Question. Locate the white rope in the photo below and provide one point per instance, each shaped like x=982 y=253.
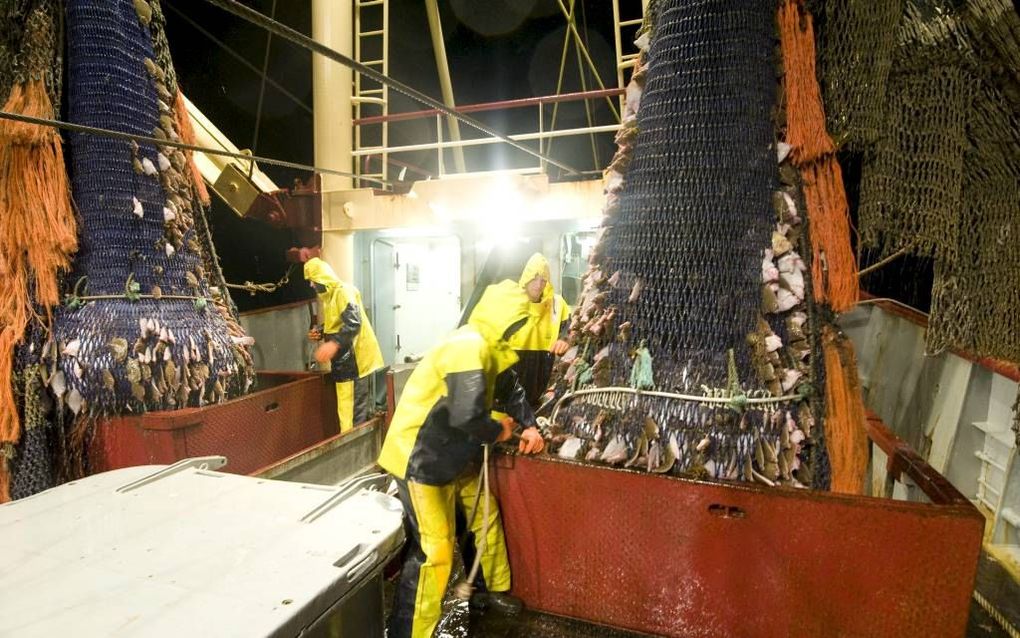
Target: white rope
x=465 y=588
x=693 y=398
x=997 y=615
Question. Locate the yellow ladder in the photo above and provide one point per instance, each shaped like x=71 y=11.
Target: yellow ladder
x=370 y=98
x=624 y=32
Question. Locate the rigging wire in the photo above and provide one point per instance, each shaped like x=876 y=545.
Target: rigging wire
x=289 y=34
x=240 y=58
x=262 y=93
x=92 y=130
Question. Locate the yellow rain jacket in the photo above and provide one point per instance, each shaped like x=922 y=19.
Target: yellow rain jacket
x=345 y=321
x=548 y=321
x=443 y=417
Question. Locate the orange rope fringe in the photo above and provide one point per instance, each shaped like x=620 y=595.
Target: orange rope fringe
x=834 y=266
x=187 y=133
x=38 y=233
x=805 y=116
x=845 y=434
x=833 y=263
x=5 y=481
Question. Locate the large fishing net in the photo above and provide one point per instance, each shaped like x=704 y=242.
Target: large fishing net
x=143 y=328
x=941 y=178
x=693 y=336
x=147 y=324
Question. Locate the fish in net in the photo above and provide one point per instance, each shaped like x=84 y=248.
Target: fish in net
x=694 y=341
x=147 y=323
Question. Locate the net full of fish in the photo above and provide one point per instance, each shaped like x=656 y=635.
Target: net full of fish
x=147 y=323
x=693 y=340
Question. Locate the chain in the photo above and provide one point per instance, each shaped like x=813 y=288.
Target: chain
x=253 y=288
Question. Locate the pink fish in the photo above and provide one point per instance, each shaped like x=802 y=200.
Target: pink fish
x=769 y=272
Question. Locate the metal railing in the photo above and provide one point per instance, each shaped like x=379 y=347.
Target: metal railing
x=441 y=143
x=625 y=59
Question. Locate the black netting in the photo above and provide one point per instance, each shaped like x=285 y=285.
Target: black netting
x=696 y=211
x=697 y=288
x=32 y=463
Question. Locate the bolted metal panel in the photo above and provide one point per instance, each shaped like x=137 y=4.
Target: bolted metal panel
x=684 y=558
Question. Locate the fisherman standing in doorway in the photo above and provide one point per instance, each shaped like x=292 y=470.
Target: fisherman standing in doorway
x=434 y=449
x=348 y=342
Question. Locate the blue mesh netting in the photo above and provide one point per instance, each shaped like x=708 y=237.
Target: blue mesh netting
x=178 y=351
x=696 y=210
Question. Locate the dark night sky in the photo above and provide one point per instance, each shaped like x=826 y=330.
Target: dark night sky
x=497 y=49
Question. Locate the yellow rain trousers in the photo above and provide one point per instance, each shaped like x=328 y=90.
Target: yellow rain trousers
x=433 y=448
x=426 y=570
x=345 y=321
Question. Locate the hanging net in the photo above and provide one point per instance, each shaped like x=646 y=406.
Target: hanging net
x=693 y=337
x=940 y=178
x=147 y=324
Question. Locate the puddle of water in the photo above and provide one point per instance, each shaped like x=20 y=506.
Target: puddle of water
x=459 y=621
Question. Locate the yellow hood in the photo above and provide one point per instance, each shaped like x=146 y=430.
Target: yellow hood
x=537 y=266
x=501 y=306
x=321 y=273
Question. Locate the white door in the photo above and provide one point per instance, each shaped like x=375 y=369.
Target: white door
x=426 y=293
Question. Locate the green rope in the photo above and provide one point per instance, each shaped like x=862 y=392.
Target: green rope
x=132 y=292
x=584 y=374
x=132 y=289
x=738 y=400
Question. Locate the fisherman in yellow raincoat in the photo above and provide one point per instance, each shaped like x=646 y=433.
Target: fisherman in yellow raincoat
x=349 y=343
x=433 y=449
x=544 y=336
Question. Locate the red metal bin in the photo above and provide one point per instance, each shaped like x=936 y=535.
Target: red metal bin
x=679 y=557
x=289 y=412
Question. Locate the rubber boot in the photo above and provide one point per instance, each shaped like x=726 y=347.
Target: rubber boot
x=500 y=602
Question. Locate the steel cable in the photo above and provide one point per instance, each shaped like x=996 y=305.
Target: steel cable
x=285 y=32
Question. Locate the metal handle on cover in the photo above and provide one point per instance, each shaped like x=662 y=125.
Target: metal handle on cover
x=367 y=561
x=272 y=407
x=198 y=462
x=372 y=482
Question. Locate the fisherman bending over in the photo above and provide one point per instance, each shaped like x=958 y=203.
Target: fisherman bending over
x=433 y=449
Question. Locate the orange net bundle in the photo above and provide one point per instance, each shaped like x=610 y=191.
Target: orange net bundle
x=845 y=432
x=38 y=232
x=833 y=262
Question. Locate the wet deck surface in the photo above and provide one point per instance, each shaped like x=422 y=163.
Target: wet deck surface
x=461 y=622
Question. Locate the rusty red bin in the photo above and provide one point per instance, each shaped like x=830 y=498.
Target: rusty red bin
x=288 y=412
x=679 y=557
